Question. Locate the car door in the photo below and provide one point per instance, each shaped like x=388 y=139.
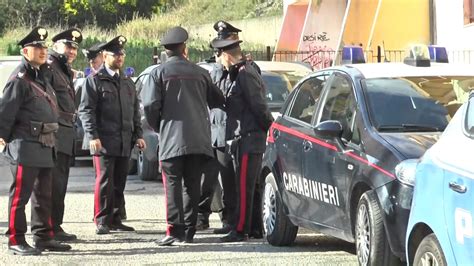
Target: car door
x=289 y=135
x=458 y=189
x=326 y=163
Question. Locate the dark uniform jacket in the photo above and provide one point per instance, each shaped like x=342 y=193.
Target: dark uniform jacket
x=28 y=103
x=176 y=101
x=109 y=111
x=62 y=82
x=248 y=116
x=217 y=115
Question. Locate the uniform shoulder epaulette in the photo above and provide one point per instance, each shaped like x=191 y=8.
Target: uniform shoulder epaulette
x=49 y=61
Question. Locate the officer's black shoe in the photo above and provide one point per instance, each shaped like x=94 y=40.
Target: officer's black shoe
x=51 y=245
x=123 y=213
x=256 y=235
x=168 y=241
x=234 y=236
x=64 y=237
x=224 y=230
x=121 y=227
x=102 y=229
x=23 y=250
x=202 y=226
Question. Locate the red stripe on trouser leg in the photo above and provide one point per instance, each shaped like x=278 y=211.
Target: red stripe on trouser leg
x=97 y=187
x=243 y=192
x=15 y=201
x=50 y=222
x=163 y=175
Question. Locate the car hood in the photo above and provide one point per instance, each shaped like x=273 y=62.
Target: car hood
x=411 y=145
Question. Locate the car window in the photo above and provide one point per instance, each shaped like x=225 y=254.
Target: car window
x=306 y=98
x=469 y=122
x=340 y=105
x=398 y=104
x=276 y=86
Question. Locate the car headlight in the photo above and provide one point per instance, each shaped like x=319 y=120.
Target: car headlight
x=405 y=171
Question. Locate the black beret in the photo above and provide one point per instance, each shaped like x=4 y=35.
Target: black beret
x=37 y=37
x=71 y=36
x=174 y=35
x=225 y=29
x=115 y=45
x=223 y=45
x=93 y=51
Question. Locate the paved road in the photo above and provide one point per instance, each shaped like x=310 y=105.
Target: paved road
x=145 y=209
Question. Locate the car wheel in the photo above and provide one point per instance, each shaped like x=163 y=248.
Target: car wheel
x=278 y=229
x=429 y=252
x=147 y=170
x=372 y=246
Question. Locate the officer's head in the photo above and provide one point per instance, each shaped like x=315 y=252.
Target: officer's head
x=67 y=43
x=174 y=42
x=34 y=46
x=225 y=31
x=114 y=52
x=230 y=51
x=94 y=55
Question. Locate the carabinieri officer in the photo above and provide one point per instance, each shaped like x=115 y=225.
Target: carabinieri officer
x=110 y=115
x=28 y=123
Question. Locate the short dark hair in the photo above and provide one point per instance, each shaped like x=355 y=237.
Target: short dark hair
x=235 y=52
x=175 y=49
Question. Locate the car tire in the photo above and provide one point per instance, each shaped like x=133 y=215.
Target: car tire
x=372 y=247
x=429 y=252
x=147 y=170
x=278 y=229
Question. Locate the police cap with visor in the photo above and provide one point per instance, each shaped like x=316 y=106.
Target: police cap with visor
x=93 y=51
x=223 y=45
x=225 y=30
x=71 y=37
x=115 y=46
x=37 y=37
x=174 y=36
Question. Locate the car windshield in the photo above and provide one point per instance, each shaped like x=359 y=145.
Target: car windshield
x=415 y=103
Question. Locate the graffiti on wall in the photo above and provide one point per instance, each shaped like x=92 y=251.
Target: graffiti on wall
x=321 y=37
x=319 y=56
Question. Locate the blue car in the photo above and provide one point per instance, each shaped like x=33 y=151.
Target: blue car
x=441 y=228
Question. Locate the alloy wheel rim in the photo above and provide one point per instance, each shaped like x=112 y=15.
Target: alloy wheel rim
x=269 y=209
x=363 y=235
x=429 y=259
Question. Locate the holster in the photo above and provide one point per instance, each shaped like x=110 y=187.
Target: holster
x=46 y=136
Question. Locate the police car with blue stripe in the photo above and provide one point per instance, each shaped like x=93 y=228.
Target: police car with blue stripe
x=335 y=157
x=441 y=228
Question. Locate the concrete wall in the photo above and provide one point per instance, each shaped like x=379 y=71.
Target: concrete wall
x=451 y=31
x=262 y=31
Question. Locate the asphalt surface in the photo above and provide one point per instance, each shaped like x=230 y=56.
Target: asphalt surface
x=146 y=213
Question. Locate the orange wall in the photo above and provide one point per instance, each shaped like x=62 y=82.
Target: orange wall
x=292 y=28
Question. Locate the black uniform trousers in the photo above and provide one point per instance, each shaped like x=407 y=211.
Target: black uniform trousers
x=34 y=182
x=111 y=177
x=223 y=165
x=248 y=192
x=60 y=180
x=182 y=203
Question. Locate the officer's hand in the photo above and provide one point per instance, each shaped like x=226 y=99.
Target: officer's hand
x=2 y=144
x=95 y=145
x=140 y=143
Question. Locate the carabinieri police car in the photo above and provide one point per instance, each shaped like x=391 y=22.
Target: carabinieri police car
x=334 y=159
x=441 y=228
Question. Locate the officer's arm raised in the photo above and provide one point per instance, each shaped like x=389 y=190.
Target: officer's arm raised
x=87 y=108
x=10 y=103
x=152 y=99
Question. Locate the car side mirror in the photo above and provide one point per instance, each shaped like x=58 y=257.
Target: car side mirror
x=329 y=129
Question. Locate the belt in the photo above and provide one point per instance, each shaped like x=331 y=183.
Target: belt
x=71 y=117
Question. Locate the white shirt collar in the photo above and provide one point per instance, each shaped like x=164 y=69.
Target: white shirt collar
x=110 y=71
